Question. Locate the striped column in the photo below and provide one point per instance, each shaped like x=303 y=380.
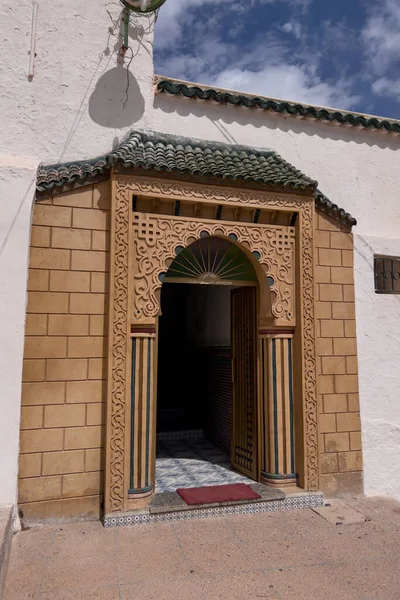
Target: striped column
x=142 y=438
x=278 y=460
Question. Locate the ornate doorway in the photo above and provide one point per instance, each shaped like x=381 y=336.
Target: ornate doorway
x=275 y=234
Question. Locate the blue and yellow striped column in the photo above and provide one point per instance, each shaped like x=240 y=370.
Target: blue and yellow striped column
x=141 y=483
x=276 y=382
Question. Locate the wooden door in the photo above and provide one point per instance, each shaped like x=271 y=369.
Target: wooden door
x=244 y=366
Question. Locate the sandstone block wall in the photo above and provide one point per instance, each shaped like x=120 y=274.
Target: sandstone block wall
x=337 y=371
x=64 y=372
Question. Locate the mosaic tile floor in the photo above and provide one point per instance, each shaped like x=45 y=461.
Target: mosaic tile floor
x=192 y=461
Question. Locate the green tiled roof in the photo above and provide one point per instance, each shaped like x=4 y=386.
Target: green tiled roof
x=163 y=152
x=328 y=115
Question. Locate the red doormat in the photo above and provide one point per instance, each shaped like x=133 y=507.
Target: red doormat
x=218 y=493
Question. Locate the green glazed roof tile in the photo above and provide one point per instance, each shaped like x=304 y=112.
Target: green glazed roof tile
x=163 y=152
x=328 y=115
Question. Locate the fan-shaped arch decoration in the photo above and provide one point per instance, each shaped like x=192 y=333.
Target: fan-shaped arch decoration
x=211 y=260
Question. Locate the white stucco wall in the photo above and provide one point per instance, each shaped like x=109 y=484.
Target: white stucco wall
x=77 y=106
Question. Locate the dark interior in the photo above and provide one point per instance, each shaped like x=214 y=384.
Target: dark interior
x=194 y=362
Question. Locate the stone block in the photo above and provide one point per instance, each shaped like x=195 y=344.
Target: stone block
x=87 y=347
x=97 y=368
x=38 y=280
x=79 y=239
x=83 y=437
x=324 y=347
x=350 y=329
x=83 y=218
x=70 y=325
x=68 y=369
x=81 y=198
x=350 y=461
x=35 y=489
x=47 y=302
x=325 y=384
x=31 y=417
x=100 y=240
x=346 y=384
x=343 y=310
x=55 y=216
x=341 y=484
x=332 y=328
x=327 y=423
x=322 y=239
x=333 y=365
x=58 y=463
x=88 y=304
x=325 y=223
x=29 y=465
x=334 y=403
x=95 y=414
x=323 y=310
x=49 y=258
x=33 y=370
x=342 y=275
x=43 y=393
x=41 y=440
x=348 y=258
x=348 y=422
x=351 y=365
x=322 y=274
x=348 y=293
x=87 y=507
x=100 y=283
x=99 y=326
x=329 y=463
x=73 y=281
x=355 y=440
x=86 y=391
x=354 y=402
x=337 y=442
x=345 y=347
x=94 y=459
x=329 y=292
x=329 y=257
x=40 y=236
x=341 y=240
x=45 y=347
x=89 y=260
x=82 y=484
x=65 y=415
x=36 y=324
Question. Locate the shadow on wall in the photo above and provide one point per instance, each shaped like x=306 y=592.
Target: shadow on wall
x=116 y=101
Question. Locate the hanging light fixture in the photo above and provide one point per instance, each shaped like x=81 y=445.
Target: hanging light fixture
x=144 y=6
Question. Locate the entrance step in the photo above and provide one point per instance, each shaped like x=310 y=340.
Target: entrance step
x=169 y=506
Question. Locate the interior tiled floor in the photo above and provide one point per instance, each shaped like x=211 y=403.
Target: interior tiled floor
x=189 y=460
x=285 y=555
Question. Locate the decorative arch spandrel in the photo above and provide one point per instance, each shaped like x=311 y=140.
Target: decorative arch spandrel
x=155 y=239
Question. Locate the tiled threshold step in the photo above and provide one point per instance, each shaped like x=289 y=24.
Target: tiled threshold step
x=169 y=506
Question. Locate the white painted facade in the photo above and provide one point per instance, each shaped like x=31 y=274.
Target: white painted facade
x=78 y=105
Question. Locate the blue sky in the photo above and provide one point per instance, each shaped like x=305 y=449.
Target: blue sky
x=339 y=53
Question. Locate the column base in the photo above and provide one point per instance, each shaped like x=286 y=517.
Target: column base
x=138 y=494
x=278 y=480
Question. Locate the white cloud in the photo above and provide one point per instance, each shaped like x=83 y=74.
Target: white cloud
x=381 y=36
x=387 y=87
x=293 y=27
x=290 y=82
